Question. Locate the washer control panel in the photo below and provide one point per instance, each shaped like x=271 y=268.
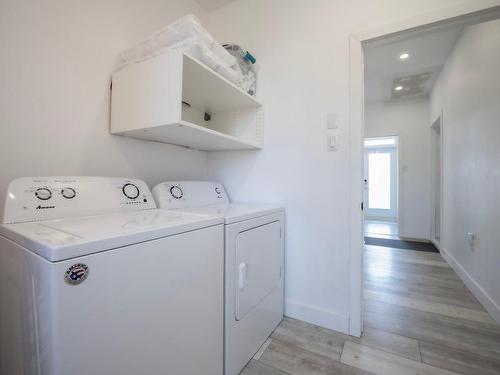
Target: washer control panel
x=42 y=198
x=131 y=191
x=185 y=194
x=176 y=192
x=68 y=192
x=43 y=193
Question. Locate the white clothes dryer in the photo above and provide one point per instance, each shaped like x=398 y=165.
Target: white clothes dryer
x=94 y=279
x=254 y=263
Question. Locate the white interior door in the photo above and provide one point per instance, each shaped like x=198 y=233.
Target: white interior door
x=381 y=180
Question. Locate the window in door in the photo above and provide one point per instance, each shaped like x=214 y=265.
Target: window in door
x=381 y=178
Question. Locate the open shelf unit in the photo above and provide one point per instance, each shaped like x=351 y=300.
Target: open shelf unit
x=147 y=103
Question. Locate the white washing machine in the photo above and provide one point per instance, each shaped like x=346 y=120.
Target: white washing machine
x=95 y=280
x=254 y=256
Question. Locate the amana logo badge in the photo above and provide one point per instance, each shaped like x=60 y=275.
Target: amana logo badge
x=76 y=274
x=40 y=207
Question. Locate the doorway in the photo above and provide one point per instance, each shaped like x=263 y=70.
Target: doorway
x=399 y=87
x=381 y=179
x=381 y=187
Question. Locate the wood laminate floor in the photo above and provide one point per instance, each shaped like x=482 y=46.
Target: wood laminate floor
x=420 y=319
x=382 y=229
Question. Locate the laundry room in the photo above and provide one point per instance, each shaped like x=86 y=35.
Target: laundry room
x=181 y=190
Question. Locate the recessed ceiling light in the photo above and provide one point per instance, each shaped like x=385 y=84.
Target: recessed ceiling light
x=398 y=88
x=404 y=56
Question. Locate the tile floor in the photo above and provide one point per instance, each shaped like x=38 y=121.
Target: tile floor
x=419 y=319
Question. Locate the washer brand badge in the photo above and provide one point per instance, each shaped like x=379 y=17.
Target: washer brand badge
x=40 y=207
x=76 y=274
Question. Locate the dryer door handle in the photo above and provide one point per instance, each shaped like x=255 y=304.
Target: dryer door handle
x=242 y=275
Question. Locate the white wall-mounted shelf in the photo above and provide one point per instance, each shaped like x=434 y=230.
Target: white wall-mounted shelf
x=205 y=88
x=146 y=103
x=191 y=135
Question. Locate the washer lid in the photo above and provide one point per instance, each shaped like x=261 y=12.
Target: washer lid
x=61 y=239
x=235 y=212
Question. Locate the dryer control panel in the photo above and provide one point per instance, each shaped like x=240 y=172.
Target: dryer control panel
x=186 y=194
x=43 y=198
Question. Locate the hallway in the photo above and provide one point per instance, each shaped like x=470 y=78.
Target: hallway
x=419 y=319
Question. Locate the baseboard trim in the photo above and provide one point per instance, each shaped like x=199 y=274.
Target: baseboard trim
x=422 y=239
x=488 y=303
x=316 y=315
x=436 y=243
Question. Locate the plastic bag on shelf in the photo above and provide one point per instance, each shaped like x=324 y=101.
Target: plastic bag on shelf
x=188 y=35
x=187 y=28
x=246 y=62
x=206 y=56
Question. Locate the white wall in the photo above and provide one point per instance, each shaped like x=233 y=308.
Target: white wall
x=57 y=57
x=468 y=93
x=409 y=120
x=303 y=50
x=55 y=67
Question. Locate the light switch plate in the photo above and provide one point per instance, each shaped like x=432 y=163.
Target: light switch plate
x=331 y=143
x=331 y=121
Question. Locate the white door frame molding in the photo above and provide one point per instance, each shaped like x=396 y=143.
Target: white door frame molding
x=470 y=12
x=437 y=123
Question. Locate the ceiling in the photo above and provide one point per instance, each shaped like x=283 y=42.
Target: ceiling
x=210 y=5
x=384 y=70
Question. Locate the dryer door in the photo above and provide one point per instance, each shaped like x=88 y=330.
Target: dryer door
x=258 y=266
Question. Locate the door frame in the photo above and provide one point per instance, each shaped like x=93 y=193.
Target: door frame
x=437 y=123
x=466 y=13
x=395 y=182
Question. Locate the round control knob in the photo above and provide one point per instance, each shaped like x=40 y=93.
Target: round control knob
x=43 y=194
x=176 y=192
x=68 y=193
x=131 y=191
